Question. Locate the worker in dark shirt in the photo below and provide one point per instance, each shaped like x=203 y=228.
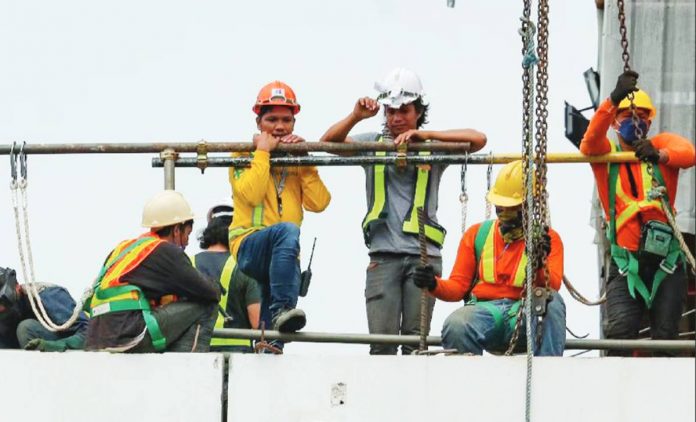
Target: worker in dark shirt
x=240 y=305
x=148 y=297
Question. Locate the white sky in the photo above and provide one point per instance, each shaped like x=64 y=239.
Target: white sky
x=133 y=71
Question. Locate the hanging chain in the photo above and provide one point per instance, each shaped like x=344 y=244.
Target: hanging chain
x=464 y=196
x=527 y=32
x=489 y=175
x=625 y=56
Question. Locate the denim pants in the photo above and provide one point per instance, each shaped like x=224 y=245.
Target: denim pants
x=625 y=314
x=31 y=329
x=184 y=325
x=271 y=257
x=472 y=328
x=393 y=300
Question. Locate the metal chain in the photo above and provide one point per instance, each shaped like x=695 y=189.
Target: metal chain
x=625 y=56
x=423 y=249
x=464 y=196
x=489 y=175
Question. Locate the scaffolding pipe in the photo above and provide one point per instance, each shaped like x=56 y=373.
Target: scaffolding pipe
x=181 y=147
x=413 y=340
x=327 y=160
x=168 y=158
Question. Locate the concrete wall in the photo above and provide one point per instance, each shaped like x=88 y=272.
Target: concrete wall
x=103 y=387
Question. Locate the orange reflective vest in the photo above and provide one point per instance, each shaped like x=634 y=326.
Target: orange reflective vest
x=112 y=294
x=485 y=254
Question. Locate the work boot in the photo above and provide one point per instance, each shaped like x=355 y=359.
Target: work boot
x=289 y=320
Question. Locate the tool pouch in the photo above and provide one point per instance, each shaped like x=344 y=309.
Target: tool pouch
x=656 y=239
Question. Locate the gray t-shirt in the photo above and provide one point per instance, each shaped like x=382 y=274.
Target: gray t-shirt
x=401 y=184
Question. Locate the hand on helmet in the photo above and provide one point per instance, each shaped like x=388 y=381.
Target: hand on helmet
x=625 y=84
x=365 y=108
x=424 y=277
x=645 y=151
x=265 y=142
x=411 y=135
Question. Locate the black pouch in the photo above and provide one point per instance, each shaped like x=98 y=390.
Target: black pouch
x=656 y=239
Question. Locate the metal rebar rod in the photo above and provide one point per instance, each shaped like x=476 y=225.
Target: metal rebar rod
x=327 y=160
x=413 y=340
x=156 y=147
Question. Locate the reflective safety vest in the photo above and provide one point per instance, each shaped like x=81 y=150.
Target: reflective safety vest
x=484 y=246
x=225 y=279
x=256 y=215
x=621 y=209
x=111 y=294
x=377 y=214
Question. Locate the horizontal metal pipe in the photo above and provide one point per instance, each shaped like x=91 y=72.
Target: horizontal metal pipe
x=348 y=338
x=156 y=147
x=327 y=160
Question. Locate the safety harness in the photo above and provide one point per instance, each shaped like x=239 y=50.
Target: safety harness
x=657 y=238
x=377 y=214
x=225 y=281
x=484 y=252
x=113 y=295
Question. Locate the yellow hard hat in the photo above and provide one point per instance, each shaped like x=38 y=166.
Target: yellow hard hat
x=641 y=99
x=508 y=190
x=165 y=209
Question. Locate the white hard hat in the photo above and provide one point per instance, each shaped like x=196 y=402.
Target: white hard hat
x=165 y=209
x=401 y=86
x=220 y=210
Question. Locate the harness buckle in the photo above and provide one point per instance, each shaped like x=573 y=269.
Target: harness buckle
x=666 y=267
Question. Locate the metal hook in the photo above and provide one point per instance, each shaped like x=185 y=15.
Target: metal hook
x=13 y=165
x=23 y=161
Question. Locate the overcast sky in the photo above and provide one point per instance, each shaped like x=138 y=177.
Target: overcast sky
x=133 y=71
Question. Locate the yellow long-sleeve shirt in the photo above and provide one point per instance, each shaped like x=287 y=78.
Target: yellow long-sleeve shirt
x=256 y=186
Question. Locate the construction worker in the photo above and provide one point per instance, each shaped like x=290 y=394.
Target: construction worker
x=240 y=305
x=390 y=227
x=268 y=205
x=646 y=270
x=489 y=273
x=20 y=327
x=148 y=297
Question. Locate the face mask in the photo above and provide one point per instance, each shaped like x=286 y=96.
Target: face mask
x=510 y=224
x=627 y=129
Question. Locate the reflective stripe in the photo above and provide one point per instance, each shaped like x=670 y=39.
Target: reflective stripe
x=225 y=279
x=256 y=215
x=434 y=233
x=487 y=262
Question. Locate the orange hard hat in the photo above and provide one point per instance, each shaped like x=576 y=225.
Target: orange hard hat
x=276 y=93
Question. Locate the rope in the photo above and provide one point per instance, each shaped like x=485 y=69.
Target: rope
x=489 y=173
x=18 y=187
x=575 y=294
x=661 y=191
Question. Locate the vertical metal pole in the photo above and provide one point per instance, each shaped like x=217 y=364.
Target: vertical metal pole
x=424 y=293
x=169 y=156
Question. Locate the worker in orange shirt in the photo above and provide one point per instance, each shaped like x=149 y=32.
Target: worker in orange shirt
x=489 y=273
x=646 y=258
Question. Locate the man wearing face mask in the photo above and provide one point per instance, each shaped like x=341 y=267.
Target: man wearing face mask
x=489 y=273
x=394 y=194
x=147 y=296
x=269 y=205
x=647 y=270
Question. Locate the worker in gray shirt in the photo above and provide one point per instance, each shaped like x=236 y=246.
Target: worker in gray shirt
x=393 y=195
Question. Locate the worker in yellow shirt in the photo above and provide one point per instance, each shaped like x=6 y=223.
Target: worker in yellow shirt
x=268 y=209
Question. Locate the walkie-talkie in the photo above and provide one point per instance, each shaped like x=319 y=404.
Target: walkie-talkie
x=306 y=276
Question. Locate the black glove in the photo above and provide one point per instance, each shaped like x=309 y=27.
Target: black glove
x=424 y=277
x=645 y=151
x=624 y=85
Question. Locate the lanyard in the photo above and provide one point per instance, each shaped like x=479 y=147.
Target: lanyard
x=279 y=186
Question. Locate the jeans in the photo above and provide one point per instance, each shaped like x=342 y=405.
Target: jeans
x=184 y=325
x=472 y=328
x=624 y=313
x=271 y=257
x=393 y=301
x=31 y=329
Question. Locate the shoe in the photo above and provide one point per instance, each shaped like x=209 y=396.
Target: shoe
x=289 y=320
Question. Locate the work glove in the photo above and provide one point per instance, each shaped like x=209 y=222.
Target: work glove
x=424 y=277
x=645 y=151
x=625 y=84
x=46 y=345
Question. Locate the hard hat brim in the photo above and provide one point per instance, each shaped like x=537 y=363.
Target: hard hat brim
x=503 y=201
